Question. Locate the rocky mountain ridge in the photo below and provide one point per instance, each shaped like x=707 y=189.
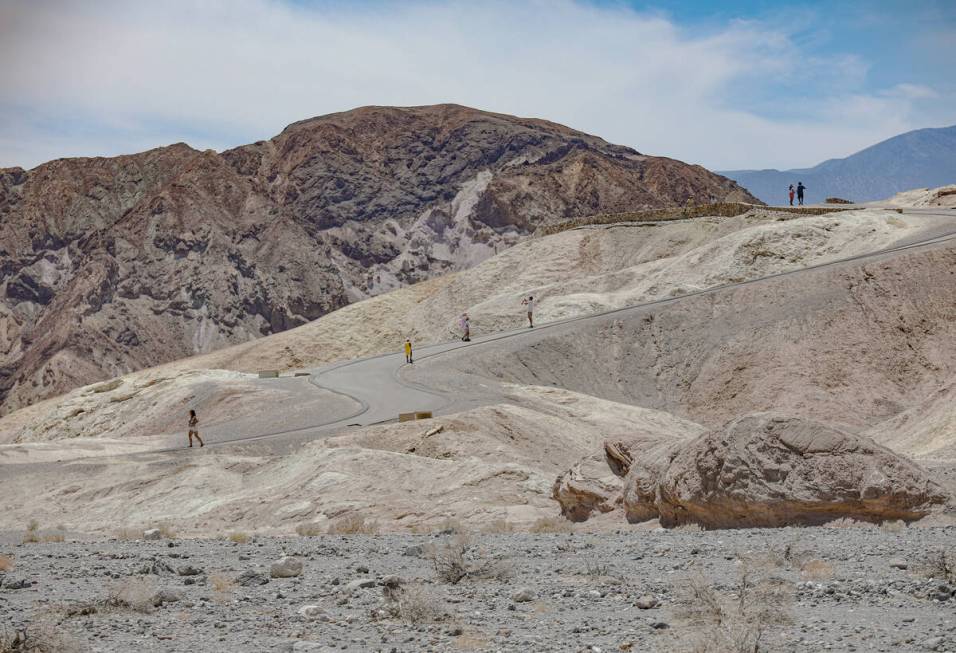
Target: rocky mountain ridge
x=114 y=264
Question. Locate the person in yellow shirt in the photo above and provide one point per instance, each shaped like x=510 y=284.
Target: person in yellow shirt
x=408 y=350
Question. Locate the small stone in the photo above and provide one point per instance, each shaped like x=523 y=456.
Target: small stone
x=523 y=595
x=898 y=563
x=359 y=583
x=188 y=570
x=250 y=577
x=312 y=612
x=933 y=643
x=660 y=625
x=16 y=584
x=165 y=596
x=361 y=569
x=152 y=534
x=413 y=551
x=454 y=631
x=594 y=594
x=646 y=602
x=392 y=581
x=287 y=567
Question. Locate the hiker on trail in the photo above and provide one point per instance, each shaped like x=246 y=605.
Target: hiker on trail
x=800 y=189
x=408 y=351
x=791 y=194
x=465 y=324
x=529 y=302
x=194 y=428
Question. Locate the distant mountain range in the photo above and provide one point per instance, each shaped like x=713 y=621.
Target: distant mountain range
x=924 y=158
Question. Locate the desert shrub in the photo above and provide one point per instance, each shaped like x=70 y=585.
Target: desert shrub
x=310 y=529
x=551 y=525
x=166 y=530
x=847 y=522
x=688 y=528
x=499 y=526
x=940 y=564
x=736 y=622
x=896 y=526
x=128 y=534
x=37 y=637
x=414 y=604
x=134 y=594
x=32 y=534
x=596 y=568
x=6 y=563
x=816 y=569
x=239 y=538
x=448 y=558
x=353 y=525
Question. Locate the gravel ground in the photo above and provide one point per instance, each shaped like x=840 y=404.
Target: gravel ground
x=849 y=589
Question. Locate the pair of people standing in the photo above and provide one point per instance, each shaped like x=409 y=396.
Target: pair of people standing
x=799 y=192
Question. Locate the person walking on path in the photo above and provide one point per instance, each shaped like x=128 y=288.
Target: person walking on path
x=408 y=351
x=465 y=324
x=800 y=189
x=529 y=302
x=791 y=194
x=194 y=428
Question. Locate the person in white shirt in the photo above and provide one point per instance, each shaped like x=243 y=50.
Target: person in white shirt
x=529 y=302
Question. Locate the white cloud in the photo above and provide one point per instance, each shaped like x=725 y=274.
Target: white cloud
x=108 y=77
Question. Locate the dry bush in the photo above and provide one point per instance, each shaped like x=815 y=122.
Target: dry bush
x=37 y=637
x=239 y=538
x=551 y=525
x=448 y=558
x=455 y=559
x=415 y=604
x=353 y=525
x=32 y=535
x=53 y=537
x=222 y=587
x=499 y=526
x=134 y=594
x=167 y=531
x=688 y=528
x=897 y=526
x=940 y=564
x=816 y=569
x=310 y=529
x=6 y=563
x=128 y=534
x=595 y=568
x=846 y=522
x=736 y=622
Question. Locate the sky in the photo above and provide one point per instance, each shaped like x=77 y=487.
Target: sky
x=728 y=85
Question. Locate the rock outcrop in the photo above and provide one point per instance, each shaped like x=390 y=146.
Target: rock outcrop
x=112 y=265
x=765 y=471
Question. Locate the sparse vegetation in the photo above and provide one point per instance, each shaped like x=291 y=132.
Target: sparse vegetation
x=37 y=637
x=688 y=528
x=940 y=564
x=816 y=569
x=166 y=530
x=414 y=604
x=135 y=594
x=353 y=525
x=847 y=522
x=734 y=622
x=595 y=568
x=310 y=529
x=897 y=526
x=551 y=525
x=32 y=535
x=6 y=563
x=239 y=537
x=455 y=559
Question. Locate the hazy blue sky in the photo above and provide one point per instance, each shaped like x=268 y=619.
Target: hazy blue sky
x=726 y=85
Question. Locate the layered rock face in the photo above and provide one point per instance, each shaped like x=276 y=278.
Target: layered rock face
x=764 y=471
x=110 y=265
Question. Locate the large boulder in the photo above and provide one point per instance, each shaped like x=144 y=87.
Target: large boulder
x=587 y=487
x=765 y=471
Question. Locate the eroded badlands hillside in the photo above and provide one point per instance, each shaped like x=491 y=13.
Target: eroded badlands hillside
x=113 y=265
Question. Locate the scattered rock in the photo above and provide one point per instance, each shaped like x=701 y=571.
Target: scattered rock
x=312 y=613
x=358 y=584
x=287 y=567
x=413 y=551
x=16 y=583
x=165 y=596
x=646 y=602
x=188 y=570
x=250 y=578
x=152 y=534
x=523 y=595
x=156 y=567
x=898 y=563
